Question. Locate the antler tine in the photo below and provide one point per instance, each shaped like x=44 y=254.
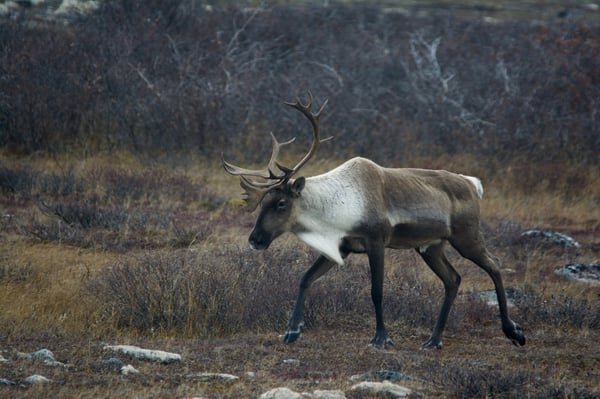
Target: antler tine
x=313 y=118
x=275 y=174
x=266 y=173
x=255 y=190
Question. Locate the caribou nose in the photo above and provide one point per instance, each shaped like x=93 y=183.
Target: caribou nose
x=257 y=242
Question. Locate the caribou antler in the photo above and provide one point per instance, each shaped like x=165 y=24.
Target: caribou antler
x=275 y=174
x=314 y=121
x=266 y=173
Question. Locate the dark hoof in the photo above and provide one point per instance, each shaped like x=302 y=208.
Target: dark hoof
x=515 y=334
x=432 y=343
x=381 y=343
x=292 y=335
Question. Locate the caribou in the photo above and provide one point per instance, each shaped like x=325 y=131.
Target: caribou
x=361 y=207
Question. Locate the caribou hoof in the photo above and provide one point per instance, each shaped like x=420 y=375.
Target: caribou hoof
x=381 y=342
x=515 y=334
x=292 y=335
x=432 y=343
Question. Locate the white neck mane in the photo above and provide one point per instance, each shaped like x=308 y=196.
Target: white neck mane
x=329 y=206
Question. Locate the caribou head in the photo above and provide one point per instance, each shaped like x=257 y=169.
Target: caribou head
x=274 y=187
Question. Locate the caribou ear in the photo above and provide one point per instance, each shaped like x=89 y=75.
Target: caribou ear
x=298 y=186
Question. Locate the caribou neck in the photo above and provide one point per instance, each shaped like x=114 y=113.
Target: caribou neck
x=327 y=210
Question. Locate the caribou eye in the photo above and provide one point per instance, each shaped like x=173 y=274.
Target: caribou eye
x=281 y=205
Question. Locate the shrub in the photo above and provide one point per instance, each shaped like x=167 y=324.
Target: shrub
x=559 y=310
x=205 y=294
x=473 y=379
x=227 y=290
x=178 y=77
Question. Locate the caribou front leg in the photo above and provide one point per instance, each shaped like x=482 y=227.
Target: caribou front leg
x=296 y=324
x=376 y=257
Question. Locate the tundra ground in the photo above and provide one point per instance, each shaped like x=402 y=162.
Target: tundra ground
x=105 y=251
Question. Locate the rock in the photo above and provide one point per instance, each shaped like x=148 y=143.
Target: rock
x=328 y=394
x=491 y=299
x=581 y=272
x=129 y=369
x=4 y=381
x=280 y=393
x=145 y=354
x=386 y=388
x=45 y=355
x=212 y=377
x=3 y=359
x=113 y=363
x=42 y=354
x=382 y=375
x=551 y=238
x=286 y=393
x=76 y=7
x=55 y=363
x=36 y=379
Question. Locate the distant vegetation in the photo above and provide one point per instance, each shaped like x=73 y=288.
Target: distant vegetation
x=118 y=224
x=156 y=77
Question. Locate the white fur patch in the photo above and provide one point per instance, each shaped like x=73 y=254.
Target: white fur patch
x=332 y=205
x=328 y=245
x=477 y=183
x=423 y=248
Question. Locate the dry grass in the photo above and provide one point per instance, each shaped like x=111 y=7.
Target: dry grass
x=185 y=281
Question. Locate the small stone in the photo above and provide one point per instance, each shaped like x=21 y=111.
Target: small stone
x=382 y=375
x=491 y=298
x=4 y=381
x=42 y=354
x=113 y=363
x=36 y=379
x=213 y=377
x=55 y=363
x=145 y=354
x=280 y=393
x=552 y=238
x=581 y=272
x=328 y=394
x=129 y=369
x=385 y=387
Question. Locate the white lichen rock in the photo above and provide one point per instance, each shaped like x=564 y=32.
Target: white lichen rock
x=328 y=394
x=129 y=369
x=385 y=387
x=145 y=354
x=36 y=379
x=213 y=377
x=281 y=393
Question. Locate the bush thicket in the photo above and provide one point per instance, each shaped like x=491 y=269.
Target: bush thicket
x=154 y=76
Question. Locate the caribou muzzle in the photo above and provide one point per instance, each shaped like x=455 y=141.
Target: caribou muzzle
x=259 y=240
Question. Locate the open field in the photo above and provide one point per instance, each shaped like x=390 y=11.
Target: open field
x=119 y=226
x=90 y=259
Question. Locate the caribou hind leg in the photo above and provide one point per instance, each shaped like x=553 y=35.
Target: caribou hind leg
x=296 y=324
x=436 y=260
x=476 y=251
